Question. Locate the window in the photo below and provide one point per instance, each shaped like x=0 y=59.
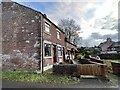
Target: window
x=113 y=49
x=59 y=51
x=58 y=35
x=47 y=27
x=47 y=49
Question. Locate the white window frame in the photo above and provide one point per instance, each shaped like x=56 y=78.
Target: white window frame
x=61 y=51
x=47 y=22
x=47 y=27
x=47 y=42
x=58 y=37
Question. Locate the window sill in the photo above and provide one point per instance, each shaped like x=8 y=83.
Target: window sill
x=47 y=33
x=47 y=56
x=58 y=39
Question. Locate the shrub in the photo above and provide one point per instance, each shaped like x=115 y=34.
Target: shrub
x=80 y=56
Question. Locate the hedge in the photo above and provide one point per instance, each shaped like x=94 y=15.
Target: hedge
x=109 y=56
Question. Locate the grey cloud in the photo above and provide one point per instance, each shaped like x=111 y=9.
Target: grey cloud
x=96 y=39
x=113 y=36
x=96 y=35
x=108 y=22
x=89 y=42
x=99 y=36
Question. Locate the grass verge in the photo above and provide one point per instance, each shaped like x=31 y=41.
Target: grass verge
x=114 y=78
x=115 y=61
x=32 y=77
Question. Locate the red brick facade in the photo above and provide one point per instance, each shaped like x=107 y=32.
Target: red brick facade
x=52 y=39
x=52 y=36
x=26 y=44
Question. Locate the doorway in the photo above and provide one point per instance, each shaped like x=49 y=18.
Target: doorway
x=54 y=54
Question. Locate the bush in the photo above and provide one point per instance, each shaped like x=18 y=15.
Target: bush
x=80 y=56
x=86 y=52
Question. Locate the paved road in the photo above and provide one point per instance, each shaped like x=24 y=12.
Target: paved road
x=84 y=83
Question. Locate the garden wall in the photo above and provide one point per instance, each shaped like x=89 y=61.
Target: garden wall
x=67 y=69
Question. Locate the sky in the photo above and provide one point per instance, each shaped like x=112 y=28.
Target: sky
x=97 y=18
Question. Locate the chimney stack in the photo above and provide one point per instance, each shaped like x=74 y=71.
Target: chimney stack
x=45 y=15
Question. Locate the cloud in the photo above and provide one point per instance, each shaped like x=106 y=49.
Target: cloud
x=74 y=10
x=59 y=0
x=97 y=18
x=99 y=36
x=104 y=15
x=96 y=39
x=96 y=35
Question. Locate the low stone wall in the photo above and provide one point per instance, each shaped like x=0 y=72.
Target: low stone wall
x=116 y=68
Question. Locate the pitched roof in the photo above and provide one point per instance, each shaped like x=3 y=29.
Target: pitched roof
x=116 y=44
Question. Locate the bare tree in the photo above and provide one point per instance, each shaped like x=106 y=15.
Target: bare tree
x=71 y=29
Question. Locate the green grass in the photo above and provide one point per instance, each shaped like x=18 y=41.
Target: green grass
x=115 y=61
x=114 y=78
x=32 y=77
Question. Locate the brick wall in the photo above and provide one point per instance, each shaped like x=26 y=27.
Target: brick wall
x=52 y=37
x=53 y=34
x=21 y=37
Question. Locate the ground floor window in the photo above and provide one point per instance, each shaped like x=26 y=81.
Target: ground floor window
x=59 y=51
x=47 y=48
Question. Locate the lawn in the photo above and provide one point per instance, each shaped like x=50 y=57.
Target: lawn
x=33 y=77
x=115 y=61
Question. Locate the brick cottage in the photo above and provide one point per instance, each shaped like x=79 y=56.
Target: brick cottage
x=30 y=41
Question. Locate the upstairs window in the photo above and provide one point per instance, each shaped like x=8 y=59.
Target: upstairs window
x=47 y=49
x=58 y=35
x=47 y=27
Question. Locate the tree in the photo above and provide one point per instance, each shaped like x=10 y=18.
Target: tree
x=71 y=29
x=84 y=53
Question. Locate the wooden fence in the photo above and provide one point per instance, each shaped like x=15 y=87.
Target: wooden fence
x=94 y=69
x=90 y=69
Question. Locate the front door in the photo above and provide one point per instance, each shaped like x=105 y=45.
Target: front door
x=63 y=54
x=54 y=54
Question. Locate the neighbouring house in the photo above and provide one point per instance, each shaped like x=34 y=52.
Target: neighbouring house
x=115 y=47
x=109 y=46
x=104 y=46
x=31 y=41
x=70 y=50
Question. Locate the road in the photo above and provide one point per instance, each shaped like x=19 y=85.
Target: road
x=84 y=83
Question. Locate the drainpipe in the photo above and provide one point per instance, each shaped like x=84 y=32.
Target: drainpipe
x=41 y=44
